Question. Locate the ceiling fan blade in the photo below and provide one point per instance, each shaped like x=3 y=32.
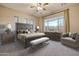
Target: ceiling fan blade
x=44 y=8
x=32 y=6
x=45 y=4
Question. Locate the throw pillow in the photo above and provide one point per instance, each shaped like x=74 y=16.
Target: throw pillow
x=66 y=35
x=77 y=37
x=74 y=35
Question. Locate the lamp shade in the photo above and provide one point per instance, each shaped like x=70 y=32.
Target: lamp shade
x=37 y=27
x=9 y=26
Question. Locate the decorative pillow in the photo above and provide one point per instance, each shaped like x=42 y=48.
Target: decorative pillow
x=27 y=31
x=21 y=31
x=74 y=35
x=70 y=34
x=66 y=35
x=77 y=37
x=31 y=30
x=24 y=31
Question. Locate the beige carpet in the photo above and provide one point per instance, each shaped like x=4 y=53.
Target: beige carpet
x=51 y=49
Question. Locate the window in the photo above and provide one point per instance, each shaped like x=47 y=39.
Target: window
x=31 y=22
x=54 y=24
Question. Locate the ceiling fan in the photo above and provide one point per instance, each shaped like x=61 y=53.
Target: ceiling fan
x=39 y=6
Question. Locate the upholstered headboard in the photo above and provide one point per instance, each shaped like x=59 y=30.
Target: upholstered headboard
x=23 y=26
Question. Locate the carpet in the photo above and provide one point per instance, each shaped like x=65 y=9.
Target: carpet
x=53 y=48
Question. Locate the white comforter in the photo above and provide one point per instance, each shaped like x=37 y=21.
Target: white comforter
x=31 y=35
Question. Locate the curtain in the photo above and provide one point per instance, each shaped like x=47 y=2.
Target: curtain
x=66 y=20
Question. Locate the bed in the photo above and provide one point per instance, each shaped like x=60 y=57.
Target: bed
x=26 y=38
x=23 y=35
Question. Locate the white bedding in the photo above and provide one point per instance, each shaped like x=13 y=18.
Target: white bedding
x=31 y=35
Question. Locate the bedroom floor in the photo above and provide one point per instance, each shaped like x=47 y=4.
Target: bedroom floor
x=53 y=48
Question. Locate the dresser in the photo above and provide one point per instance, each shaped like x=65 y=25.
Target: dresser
x=7 y=37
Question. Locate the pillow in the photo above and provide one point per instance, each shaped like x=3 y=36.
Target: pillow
x=77 y=37
x=66 y=35
x=21 y=31
x=31 y=31
x=26 y=30
x=70 y=34
x=74 y=35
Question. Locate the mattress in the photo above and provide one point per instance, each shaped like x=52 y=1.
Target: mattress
x=30 y=35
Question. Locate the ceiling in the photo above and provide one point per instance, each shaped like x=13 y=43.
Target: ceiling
x=50 y=9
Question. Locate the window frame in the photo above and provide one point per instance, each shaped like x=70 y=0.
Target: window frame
x=53 y=19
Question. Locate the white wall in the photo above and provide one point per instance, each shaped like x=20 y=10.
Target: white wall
x=74 y=18
x=7 y=14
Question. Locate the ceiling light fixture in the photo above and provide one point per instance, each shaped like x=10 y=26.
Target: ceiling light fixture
x=39 y=6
